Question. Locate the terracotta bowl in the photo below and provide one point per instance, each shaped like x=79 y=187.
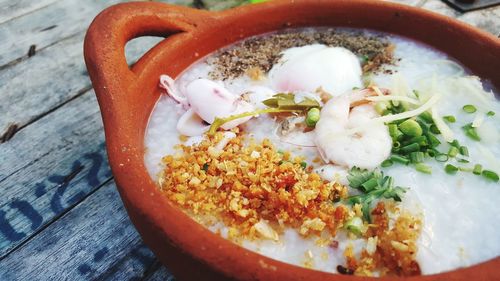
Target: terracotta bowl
x=127 y=95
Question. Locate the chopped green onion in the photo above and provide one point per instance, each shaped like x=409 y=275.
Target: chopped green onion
x=423 y=168
x=464 y=151
x=421 y=140
x=394 y=132
x=370 y=184
x=205 y=167
x=358 y=176
x=465 y=169
x=453 y=151
x=410 y=128
x=434 y=129
x=449 y=118
x=450 y=169
x=399 y=159
x=417 y=157
x=427 y=117
x=441 y=157
x=410 y=148
x=490 y=113
x=380 y=107
x=396 y=144
x=395 y=103
x=455 y=143
x=303 y=164
x=386 y=163
x=469 y=108
x=463 y=160
x=432 y=140
x=490 y=175
x=425 y=127
x=312 y=117
x=432 y=152
x=471 y=132
x=477 y=169
x=355 y=225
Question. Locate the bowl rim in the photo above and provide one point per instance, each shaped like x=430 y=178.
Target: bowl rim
x=119 y=92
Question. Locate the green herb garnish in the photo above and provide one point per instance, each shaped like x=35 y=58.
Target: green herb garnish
x=469 y=108
x=218 y=122
x=355 y=225
x=421 y=167
x=471 y=132
x=449 y=119
x=490 y=175
x=453 y=151
x=490 y=113
x=463 y=150
x=450 y=169
x=478 y=169
x=373 y=185
x=386 y=163
x=287 y=101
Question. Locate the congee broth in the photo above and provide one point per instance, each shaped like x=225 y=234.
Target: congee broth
x=341 y=150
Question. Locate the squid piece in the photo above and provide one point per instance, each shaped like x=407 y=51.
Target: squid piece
x=205 y=100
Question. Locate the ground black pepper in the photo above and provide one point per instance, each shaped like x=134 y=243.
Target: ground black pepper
x=264 y=51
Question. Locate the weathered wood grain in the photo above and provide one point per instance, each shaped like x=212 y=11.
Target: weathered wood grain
x=41 y=83
x=486 y=19
x=48 y=25
x=62 y=159
x=160 y=274
x=12 y=9
x=46 y=81
x=32 y=195
x=93 y=241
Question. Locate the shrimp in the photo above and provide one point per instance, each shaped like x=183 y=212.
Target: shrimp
x=367 y=148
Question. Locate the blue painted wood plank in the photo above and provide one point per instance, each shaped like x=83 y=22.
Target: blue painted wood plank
x=56 y=161
x=70 y=163
x=160 y=274
x=93 y=241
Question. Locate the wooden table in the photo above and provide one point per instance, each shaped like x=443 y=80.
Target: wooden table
x=60 y=214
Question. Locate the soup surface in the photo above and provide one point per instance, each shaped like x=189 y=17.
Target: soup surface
x=342 y=150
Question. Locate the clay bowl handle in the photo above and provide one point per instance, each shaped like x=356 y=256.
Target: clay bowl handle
x=115 y=83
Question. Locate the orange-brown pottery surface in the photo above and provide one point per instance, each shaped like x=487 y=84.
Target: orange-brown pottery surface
x=127 y=96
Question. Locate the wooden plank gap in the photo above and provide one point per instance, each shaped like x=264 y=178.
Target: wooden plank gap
x=155 y=265
x=22 y=168
x=8 y=134
x=54 y=219
x=32 y=50
x=28 y=13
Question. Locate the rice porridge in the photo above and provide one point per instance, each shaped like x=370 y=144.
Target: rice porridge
x=340 y=150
